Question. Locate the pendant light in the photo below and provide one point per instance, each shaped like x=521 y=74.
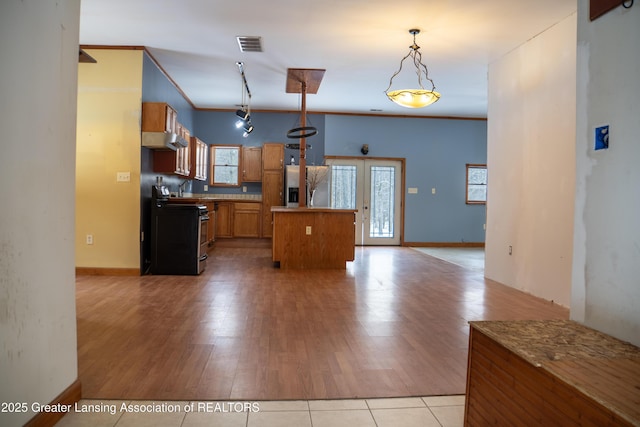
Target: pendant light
x=419 y=97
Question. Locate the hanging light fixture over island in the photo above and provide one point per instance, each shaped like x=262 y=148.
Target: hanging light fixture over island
x=419 y=97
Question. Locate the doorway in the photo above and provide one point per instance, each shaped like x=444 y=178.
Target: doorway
x=374 y=188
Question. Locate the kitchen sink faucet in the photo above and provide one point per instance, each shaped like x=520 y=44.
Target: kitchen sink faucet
x=181 y=188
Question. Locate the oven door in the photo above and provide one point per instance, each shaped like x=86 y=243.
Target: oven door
x=203 y=242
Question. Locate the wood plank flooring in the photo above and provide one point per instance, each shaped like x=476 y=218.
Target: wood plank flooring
x=394 y=323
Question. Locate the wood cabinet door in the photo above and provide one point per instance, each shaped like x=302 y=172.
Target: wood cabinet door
x=246 y=219
x=158 y=117
x=272 y=195
x=272 y=156
x=224 y=226
x=199 y=159
x=251 y=164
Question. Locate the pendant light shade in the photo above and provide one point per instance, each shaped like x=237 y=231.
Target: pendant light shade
x=418 y=97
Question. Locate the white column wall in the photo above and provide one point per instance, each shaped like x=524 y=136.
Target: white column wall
x=606 y=265
x=38 y=79
x=531 y=165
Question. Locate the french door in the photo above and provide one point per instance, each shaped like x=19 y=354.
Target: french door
x=373 y=187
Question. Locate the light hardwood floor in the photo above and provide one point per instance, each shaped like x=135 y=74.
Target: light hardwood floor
x=394 y=323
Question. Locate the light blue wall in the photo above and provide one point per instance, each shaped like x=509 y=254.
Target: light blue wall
x=436 y=153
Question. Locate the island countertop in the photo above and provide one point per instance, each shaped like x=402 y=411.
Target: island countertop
x=310 y=209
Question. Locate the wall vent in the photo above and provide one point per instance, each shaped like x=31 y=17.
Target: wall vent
x=250 y=43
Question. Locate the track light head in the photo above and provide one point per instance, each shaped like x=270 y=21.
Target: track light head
x=244 y=115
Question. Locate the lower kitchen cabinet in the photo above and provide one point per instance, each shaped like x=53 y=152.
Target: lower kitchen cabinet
x=238 y=219
x=224 y=218
x=247 y=219
x=211 y=225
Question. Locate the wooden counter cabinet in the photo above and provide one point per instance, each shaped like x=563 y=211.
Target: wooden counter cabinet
x=318 y=238
x=246 y=219
x=550 y=373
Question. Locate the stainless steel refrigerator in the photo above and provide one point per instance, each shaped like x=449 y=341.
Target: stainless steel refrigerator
x=317 y=174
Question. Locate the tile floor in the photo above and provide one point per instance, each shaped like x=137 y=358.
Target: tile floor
x=436 y=411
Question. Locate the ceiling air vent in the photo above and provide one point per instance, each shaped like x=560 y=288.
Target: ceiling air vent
x=250 y=43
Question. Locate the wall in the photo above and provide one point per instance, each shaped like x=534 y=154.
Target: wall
x=436 y=152
x=109 y=111
x=606 y=264
x=531 y=165
x=38 y=65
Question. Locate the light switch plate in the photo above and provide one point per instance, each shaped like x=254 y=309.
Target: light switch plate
x=308 y=230
x=123 y=176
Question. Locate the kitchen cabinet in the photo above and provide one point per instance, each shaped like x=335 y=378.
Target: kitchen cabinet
x=211 y=225
x=251 y=164
x=272 y=183
x=199 y=159
x=174 y=162
x=158 y=117
x=246 y=219
x=224 y=218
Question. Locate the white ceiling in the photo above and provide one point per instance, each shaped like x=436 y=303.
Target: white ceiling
x=359 y=42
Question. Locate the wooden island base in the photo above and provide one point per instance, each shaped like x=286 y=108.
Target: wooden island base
x=320 y=238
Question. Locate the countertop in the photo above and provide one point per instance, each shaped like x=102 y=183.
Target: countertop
x=204 y=198
x=310 y=209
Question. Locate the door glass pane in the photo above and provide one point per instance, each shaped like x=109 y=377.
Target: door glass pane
x=343 y=187
x=382 y=204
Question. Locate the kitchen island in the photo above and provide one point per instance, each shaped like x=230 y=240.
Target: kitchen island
x=313 y=238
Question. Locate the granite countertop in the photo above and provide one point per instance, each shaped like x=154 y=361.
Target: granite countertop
x=203 y=198
x=540 y=341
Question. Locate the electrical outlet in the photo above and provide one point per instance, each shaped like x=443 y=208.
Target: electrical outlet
x=206 y=187
x=89 y=239
x=433 y=190
x=413 y=190
x=244 y=188
x=510 y=250
x=308 y=230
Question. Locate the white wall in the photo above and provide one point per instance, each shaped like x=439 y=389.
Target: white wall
x=606 y=265
x=38 y=73
x=531 y=164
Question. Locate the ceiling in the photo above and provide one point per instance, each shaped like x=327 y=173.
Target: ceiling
x=359 y=42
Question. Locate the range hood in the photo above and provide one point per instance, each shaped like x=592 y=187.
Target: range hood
x=163 y=140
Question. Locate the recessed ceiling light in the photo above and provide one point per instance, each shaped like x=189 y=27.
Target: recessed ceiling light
x=250 y=43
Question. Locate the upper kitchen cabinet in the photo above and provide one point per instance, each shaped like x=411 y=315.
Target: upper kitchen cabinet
x=273 y=156
x=158 y=117
x=199 y=159
x=251 y=164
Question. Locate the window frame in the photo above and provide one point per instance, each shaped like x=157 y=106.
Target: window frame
x=212 y=156
x=467 y=184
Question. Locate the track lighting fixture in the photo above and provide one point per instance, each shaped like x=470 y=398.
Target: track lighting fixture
x=244 y=113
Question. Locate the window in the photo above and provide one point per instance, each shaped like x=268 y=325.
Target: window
x=225 y=165
x=476 y=184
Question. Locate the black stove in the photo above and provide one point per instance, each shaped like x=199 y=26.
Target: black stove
x=178 y=235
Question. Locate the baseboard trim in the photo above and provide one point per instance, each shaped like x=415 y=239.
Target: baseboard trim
x=70 y=396
x=96 y=271
x=444 y=244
